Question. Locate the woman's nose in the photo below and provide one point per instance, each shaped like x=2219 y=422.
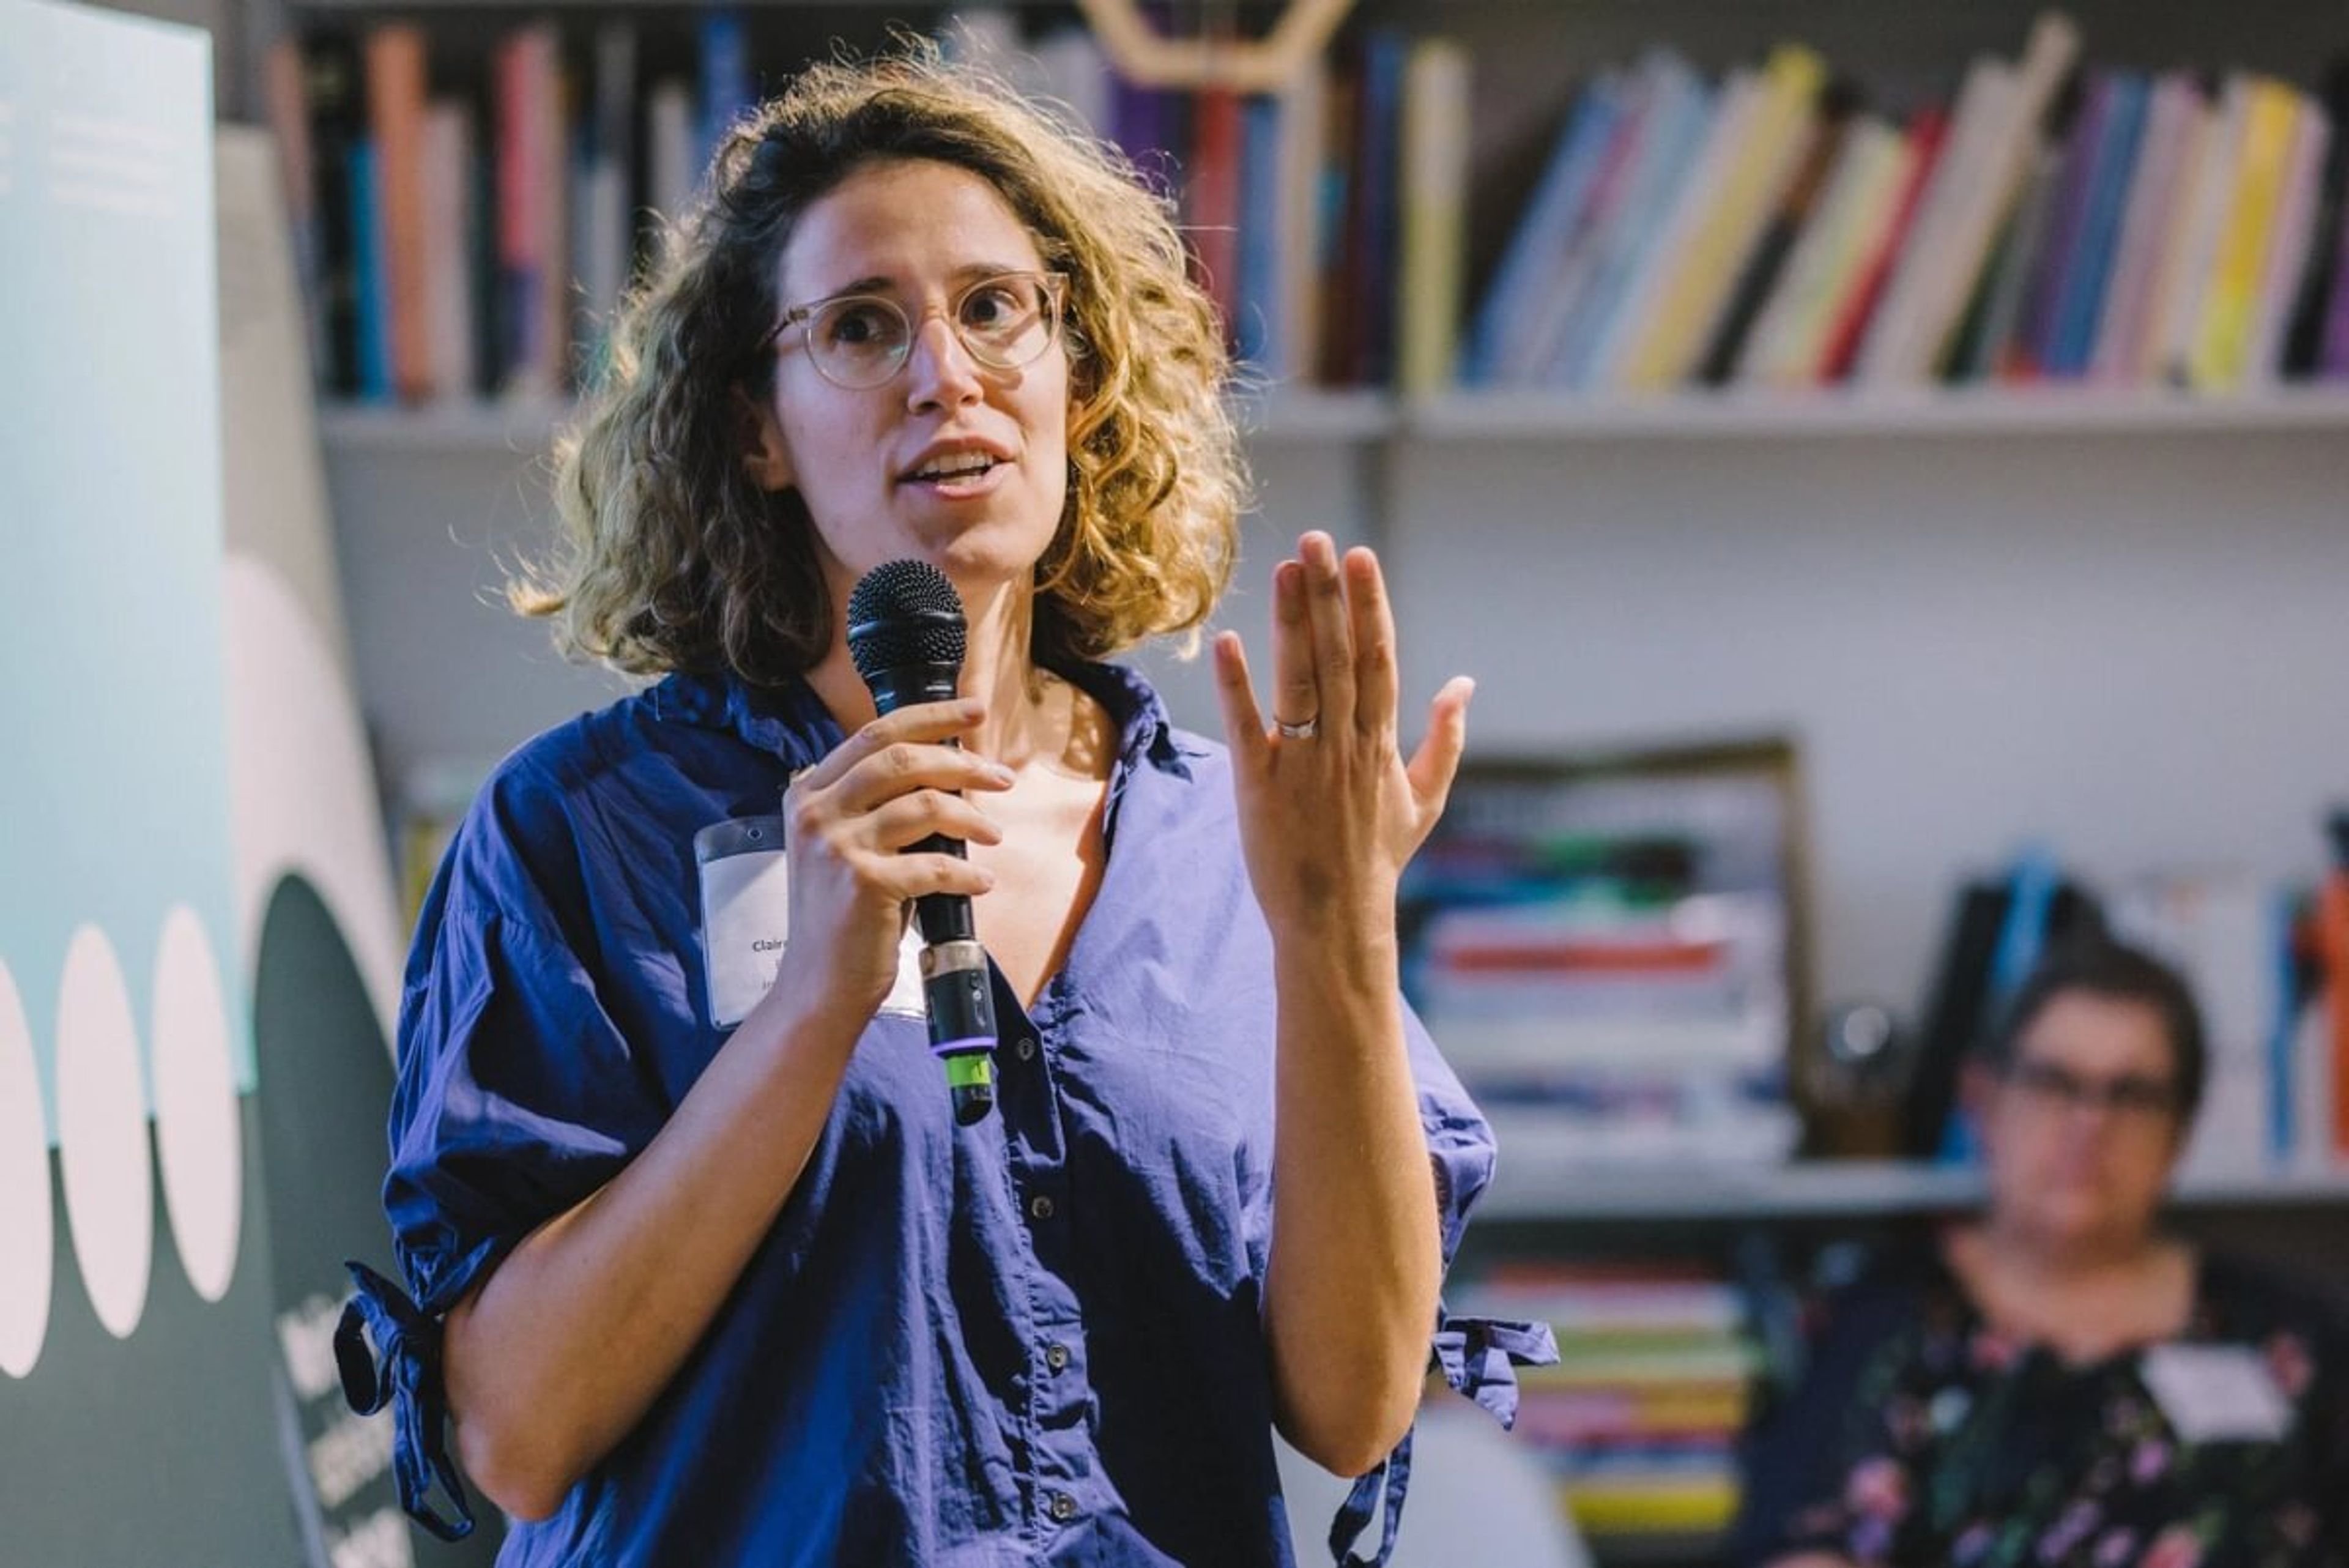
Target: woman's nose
x=940 y=371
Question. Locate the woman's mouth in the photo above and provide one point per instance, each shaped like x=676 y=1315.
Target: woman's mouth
x=967 y=474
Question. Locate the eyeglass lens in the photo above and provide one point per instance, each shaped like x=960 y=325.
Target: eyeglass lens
x=2129 y=1094
x=1003 y=322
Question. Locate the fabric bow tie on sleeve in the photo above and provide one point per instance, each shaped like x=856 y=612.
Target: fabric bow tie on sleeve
x=404 y=1372
x=1478 y=1358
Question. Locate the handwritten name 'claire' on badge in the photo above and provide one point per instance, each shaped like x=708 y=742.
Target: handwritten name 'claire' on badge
x=745 y=920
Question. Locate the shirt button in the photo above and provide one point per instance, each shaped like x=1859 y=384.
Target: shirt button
x=1063 y=1506
x=1056 y=1356
x=1040 y=1207
x=1026 y=1048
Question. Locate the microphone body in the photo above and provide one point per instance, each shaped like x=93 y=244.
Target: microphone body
x=906 y=634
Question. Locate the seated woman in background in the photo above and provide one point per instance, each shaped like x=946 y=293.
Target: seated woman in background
x=2058 y=1383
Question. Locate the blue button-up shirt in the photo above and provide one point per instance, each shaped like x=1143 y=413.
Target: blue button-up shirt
x=1037 y=1339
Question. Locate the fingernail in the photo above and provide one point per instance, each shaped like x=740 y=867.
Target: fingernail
x=1001 y=774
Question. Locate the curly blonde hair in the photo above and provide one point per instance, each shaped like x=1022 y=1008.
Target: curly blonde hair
x=671 y=558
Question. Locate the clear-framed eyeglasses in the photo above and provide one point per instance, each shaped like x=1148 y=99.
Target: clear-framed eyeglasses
x=859 y=341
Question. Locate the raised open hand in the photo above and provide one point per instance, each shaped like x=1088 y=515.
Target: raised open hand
x=1329 y=811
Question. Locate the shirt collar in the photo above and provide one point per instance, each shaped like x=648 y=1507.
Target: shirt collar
x=1145 y=730
x=793 y=722
x=789 y=722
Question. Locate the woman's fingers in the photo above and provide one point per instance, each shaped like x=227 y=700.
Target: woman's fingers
x=1332 y=638
x=1236 y=695
x=1371 y=628
x=1436 y=762
x=929 y=722
x=903 y=767
x=910 y=818
x=1295 y=691
x=904 y=876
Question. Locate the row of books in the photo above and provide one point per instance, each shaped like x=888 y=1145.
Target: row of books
x=2052 y=224
x=466 y=227
x=470 y=241
x=1638 y=1421
x=1604 y=962
x=2270 y=966
x=2267 y=962
x=1769 y=227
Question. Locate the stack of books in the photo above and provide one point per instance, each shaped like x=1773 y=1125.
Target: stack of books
x=1640 y=1418
x=1605 y=962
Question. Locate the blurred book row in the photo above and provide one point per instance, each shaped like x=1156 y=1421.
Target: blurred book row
x=1640 y=1419
x=1606 y=949
x=1610 y=952
x=2052 y=221
x=2267 y=962
x=469 y=211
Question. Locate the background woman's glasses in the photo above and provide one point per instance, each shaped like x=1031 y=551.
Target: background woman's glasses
x=2128 y=1097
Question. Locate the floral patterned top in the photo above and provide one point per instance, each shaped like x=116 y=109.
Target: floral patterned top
x=1920 y=1436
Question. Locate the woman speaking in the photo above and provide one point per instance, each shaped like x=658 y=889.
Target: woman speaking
x=710 y=1278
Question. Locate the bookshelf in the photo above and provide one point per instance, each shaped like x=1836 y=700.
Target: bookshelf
x=1366 y=418
x=1995 y=414
x=528 y=428
x=1538 y=1182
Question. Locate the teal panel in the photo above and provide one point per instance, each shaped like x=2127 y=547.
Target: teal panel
x=114 y=782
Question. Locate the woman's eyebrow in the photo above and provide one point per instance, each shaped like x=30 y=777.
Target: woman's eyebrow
x=969 y=272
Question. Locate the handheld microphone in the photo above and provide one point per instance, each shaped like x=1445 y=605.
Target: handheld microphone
x=906 y=634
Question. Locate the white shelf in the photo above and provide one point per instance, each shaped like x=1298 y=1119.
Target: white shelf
x=1303 y=417
x=454 y=429
x=1309 y=418
x=1536 y=1184
x=527 y=428
x=1976 y=412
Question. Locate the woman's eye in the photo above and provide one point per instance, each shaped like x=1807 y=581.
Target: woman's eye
x=993 y=306
x=859 y=325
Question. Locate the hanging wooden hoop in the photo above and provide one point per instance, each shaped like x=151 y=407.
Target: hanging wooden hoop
x=1148 y=59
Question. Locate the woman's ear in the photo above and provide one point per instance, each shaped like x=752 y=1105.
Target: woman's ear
x=764 y=456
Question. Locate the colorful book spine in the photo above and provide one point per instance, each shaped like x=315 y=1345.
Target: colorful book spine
x=2082 y=142
x=2222 y=336
x=1670 y=138
x=396 y=108
x=1257 y=334
x=2332 y=947
x=2080 y=299
x=2279 y=290
x=1539 y=246
x=1435 y=157
x=1752 y=182
x=1928 y=138
x=2172 y=118
x=369 y=288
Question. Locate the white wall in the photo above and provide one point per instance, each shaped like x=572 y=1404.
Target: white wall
x=2134 y=646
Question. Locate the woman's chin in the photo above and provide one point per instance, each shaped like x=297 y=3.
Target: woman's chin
x=2079 y=1217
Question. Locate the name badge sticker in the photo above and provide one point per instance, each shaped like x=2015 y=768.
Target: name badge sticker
x=746 y=921
x=746 y=912
x=2216 y=1393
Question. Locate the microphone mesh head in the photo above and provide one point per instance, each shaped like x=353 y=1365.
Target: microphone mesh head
x=901 y=613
